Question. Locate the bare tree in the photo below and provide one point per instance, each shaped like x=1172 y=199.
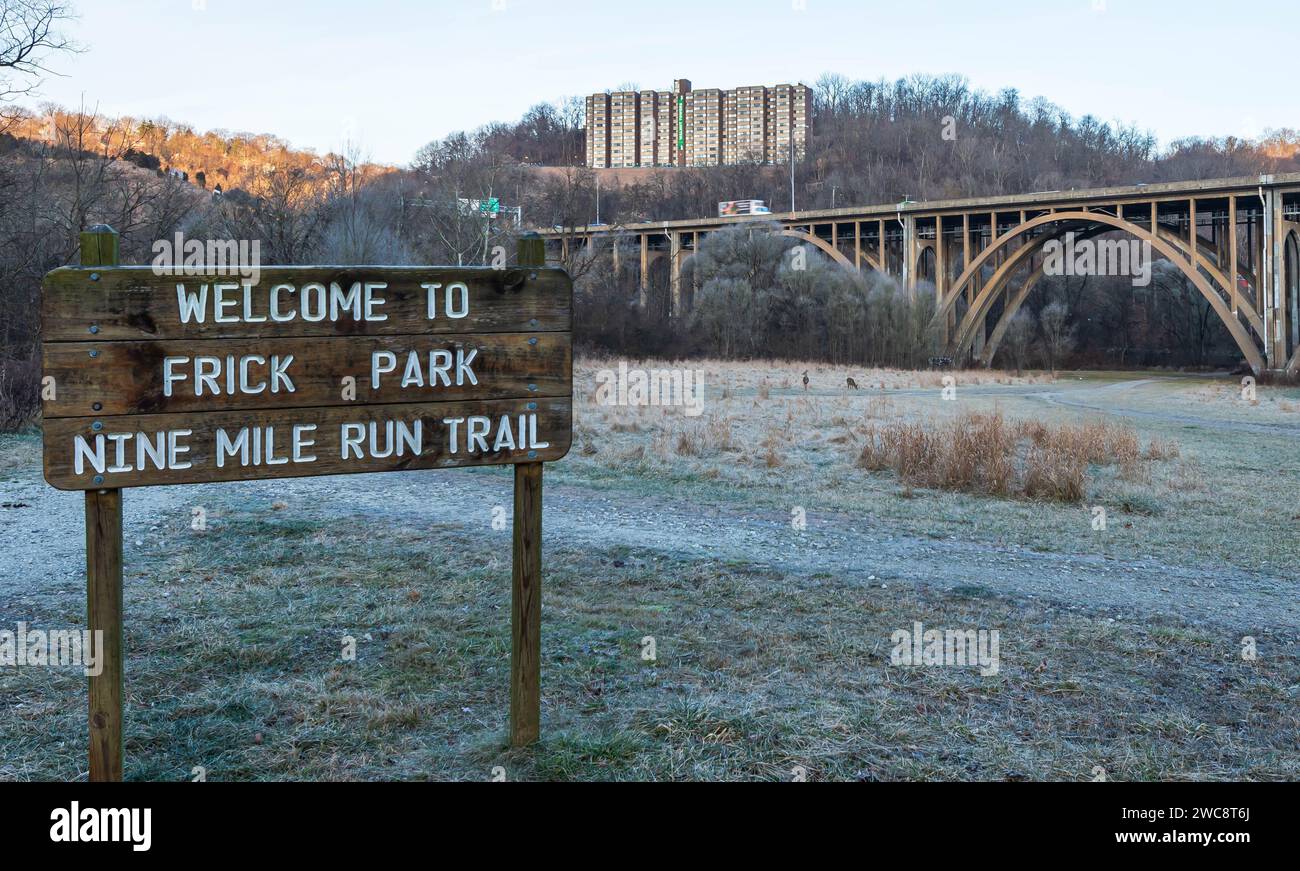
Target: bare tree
x=92 y=183
x=1058 y=335
x=364 y=213
x=30 y=31
x=1018 y=337
x=567 y=204
x=448 y=213
x=284 y=208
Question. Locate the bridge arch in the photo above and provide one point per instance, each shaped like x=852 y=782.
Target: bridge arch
x=927 y=255
x=1208 y=259
x=978 y=310
x=826 y=247
x=870 y=262
x=1016 y=300
x=925 y=267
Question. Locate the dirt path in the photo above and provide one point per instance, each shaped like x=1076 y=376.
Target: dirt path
x=849 y=548
x=844 y=546
x=1093 y=399
x=43 y=539
x=1101 y=399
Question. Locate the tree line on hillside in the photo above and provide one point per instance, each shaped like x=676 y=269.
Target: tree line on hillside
x=921 y=138
x=215 y=160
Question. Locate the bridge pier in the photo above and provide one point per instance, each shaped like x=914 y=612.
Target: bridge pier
x=675 y=273
x=1282 y=336
x=909 y=254
x=1269 y=285
x=645 y=268
x=940 y=259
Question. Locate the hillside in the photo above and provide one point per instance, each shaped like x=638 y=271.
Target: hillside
x=215 y=160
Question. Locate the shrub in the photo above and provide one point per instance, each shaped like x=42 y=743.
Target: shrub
x=20 y=392
x=1053 y=474
x=983 y=453
x=1161 y=449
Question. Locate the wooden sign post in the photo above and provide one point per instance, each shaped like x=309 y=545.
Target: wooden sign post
x=104 y=579
x=526 y=575
x=195 y=377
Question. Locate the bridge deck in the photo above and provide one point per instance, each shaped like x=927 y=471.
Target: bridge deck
x=1164 y=191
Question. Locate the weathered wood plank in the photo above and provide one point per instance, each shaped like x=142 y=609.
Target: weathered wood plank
x=194 y=440
x=104 y=615
x=132 y=303
x=129 y=377
x=526 y=607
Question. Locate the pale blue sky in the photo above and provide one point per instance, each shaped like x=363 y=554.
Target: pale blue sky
x=402 y=72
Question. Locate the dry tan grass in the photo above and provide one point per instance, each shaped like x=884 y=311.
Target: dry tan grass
x=982 y=453
x=1099 y=441
x=695 y=437
x=1188 y=476
x=1161 y=449
x=755 y=430
x=971 y=453
x=1033 y=430
x=880 y=407
x=689 y=442
x=1054 y=474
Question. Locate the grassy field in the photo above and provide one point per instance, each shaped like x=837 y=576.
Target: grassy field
x=1225 y=498
x=764 y=668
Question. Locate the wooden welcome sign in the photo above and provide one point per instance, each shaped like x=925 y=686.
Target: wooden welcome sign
x=309 y=370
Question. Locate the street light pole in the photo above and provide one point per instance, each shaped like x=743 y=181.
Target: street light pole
x=792 y=179
x=487 y=226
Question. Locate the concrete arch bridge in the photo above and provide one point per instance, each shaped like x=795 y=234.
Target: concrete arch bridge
x=1236 y=240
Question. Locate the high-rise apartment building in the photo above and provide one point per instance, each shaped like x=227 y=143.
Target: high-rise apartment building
x=789 y=115
x=649 y=128
x=706 y=127
x=666 y=115
x=598 y=131
x=624 y=129
x=745 y=126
